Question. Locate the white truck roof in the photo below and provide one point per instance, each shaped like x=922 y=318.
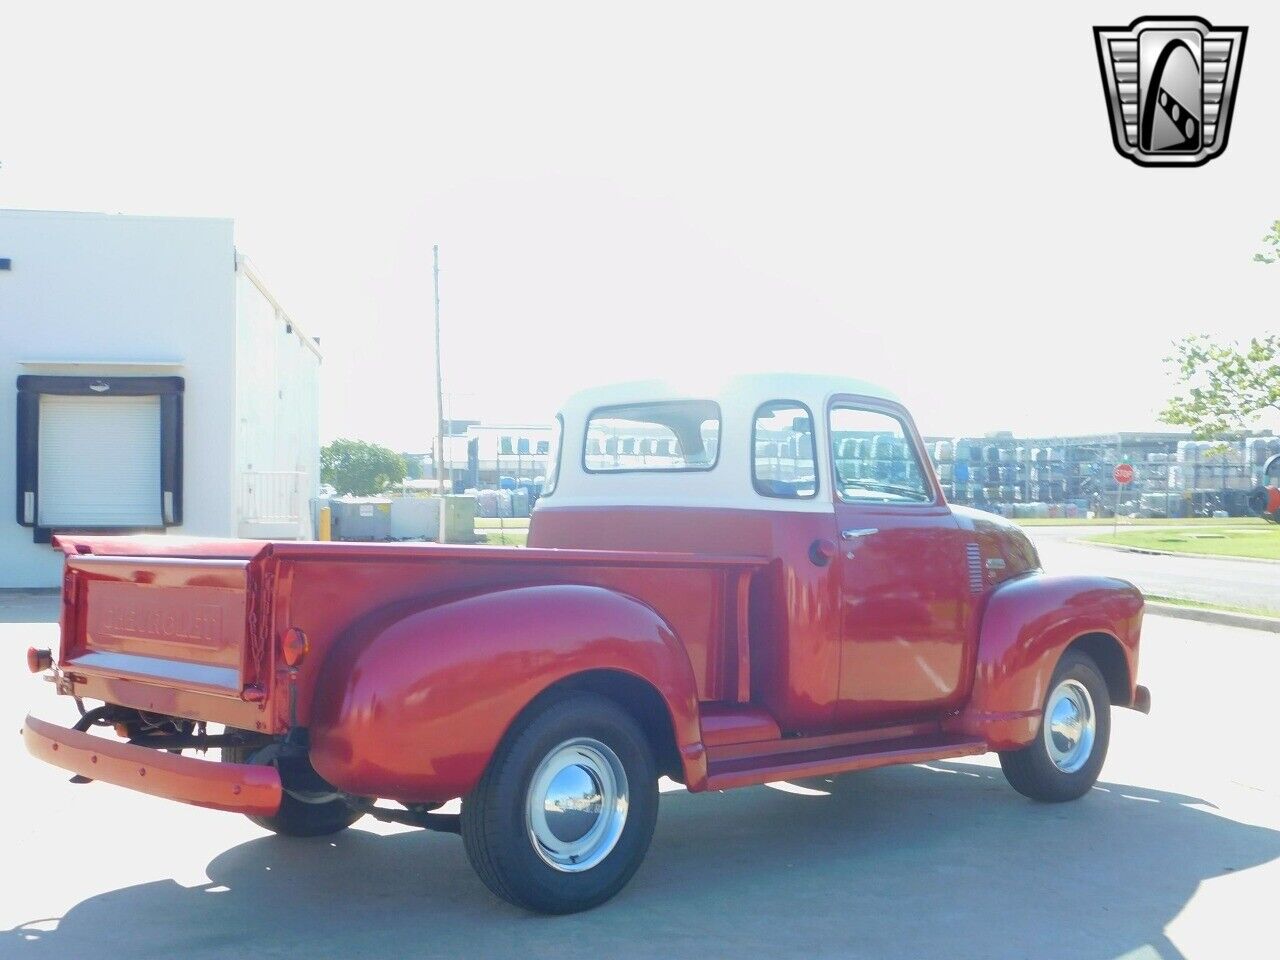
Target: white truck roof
x=729 y=482
x=742 y=390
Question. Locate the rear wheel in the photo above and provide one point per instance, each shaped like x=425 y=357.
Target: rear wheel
x=303 y=812
x=1065 y=758
x=565 y=810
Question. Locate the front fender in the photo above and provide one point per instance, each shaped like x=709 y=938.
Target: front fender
x=410 y=705
x=1026 y=626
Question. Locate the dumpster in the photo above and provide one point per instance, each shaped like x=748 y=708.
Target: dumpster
x=415 y=518
x=361 y=518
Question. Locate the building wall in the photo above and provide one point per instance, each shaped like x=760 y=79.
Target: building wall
x=156 y=294
x=277 y=389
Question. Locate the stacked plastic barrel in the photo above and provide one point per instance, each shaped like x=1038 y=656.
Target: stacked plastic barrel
x=1220 y=465
x=514 y=497
x=1018 y=478
x=944 y=464
x=1258 y=454
x=1012 y=479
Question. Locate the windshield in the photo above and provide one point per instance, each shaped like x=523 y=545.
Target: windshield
x=875 y=461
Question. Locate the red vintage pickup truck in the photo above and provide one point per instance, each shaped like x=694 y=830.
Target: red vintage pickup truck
x=728 y=585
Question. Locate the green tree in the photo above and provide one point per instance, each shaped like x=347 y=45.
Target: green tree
x=1223 y=386
x=353 y=466
x=1272 y=240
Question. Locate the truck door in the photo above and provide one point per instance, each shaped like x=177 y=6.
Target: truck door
x=902 y=569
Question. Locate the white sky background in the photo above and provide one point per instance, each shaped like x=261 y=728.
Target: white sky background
x=924 y=195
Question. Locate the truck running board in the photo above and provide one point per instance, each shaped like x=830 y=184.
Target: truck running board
x=741 y=771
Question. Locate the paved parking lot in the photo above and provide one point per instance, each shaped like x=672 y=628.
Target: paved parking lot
x=1176 y=855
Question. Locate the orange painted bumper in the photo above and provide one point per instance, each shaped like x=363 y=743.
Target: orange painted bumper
x=238 y=787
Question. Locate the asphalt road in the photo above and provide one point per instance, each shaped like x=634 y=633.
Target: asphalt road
x=1208 y=579
x=1177 y=854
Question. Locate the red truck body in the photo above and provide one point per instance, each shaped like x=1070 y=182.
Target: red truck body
x=750 y=642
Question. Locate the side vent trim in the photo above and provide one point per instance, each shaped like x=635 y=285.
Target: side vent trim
x=974 y=557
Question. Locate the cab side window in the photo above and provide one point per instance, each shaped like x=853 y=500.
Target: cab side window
x=783 y=464
x=875 y=460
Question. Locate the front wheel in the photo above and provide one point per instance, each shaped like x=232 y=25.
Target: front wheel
x=1064 y=760
x=565 y=810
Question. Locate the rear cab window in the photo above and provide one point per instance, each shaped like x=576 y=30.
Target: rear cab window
x=674 y=435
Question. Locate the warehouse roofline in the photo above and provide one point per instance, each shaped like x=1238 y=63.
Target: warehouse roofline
x=243 y=264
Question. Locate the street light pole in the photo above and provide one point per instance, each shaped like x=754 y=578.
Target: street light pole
x=435 y=272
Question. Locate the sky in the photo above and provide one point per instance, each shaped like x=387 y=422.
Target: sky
x=929 y=200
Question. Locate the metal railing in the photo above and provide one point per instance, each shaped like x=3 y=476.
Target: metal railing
x=272 y=496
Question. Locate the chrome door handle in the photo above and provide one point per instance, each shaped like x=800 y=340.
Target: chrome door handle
x=855 y=534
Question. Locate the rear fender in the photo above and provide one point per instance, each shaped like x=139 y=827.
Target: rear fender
x=410 y=705
x=1026 y=626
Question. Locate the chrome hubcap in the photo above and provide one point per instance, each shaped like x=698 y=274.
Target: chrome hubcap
x=1070 y=725
x=577 y=804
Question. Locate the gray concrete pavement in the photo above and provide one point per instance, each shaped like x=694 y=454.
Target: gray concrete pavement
x=1207 y=579
x=1177 y=854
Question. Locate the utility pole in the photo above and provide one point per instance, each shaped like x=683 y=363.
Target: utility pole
x=440 y=441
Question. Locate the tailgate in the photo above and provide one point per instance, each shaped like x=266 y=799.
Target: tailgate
x=176 y=622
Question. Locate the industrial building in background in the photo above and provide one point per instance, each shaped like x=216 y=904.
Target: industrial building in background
x=154 y=385
x=504 y=464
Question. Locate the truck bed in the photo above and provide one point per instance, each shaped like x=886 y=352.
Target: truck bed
x=191 y=627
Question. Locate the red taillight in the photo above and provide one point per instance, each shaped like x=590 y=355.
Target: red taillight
x=39 y=661
x=294 y=646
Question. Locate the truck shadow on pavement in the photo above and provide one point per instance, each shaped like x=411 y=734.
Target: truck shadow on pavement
x=934 y=861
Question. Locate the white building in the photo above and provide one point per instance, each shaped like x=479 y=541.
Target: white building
x=478 y=454
x=153 y=384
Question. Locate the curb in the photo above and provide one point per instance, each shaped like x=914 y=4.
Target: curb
x=1120 y=548
x=1228 y=618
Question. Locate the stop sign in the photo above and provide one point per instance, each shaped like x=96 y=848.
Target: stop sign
x=1123 y=473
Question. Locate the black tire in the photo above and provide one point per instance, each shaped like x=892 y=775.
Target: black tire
x=296 y=818
x=1032 y=771
x=499 y=839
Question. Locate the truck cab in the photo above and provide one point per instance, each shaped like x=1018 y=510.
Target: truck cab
x=870 y=608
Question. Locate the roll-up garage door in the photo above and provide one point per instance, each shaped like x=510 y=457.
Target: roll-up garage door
x=99 y=462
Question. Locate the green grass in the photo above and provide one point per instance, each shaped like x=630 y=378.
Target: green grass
x=506 y=523
x=503 y=531
x=1199 y=605
x=508 y=538
x=1262 y=542
x=1142 y=522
